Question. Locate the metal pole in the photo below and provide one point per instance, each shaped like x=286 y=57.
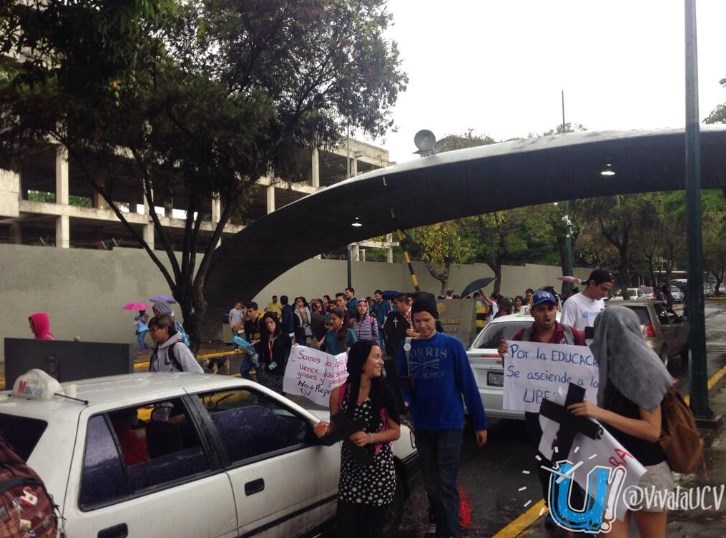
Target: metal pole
x=569 y=270
x=406 y=257
x=695 y=300
x=348 y=254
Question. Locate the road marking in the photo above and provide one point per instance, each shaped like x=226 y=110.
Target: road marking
x=523 y=522
x=528 y=518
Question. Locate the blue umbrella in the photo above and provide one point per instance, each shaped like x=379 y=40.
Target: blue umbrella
x=388 y=295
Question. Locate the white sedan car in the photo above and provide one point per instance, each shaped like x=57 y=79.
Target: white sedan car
x=183 y=455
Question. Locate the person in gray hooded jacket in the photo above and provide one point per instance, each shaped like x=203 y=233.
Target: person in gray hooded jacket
x=170 y=354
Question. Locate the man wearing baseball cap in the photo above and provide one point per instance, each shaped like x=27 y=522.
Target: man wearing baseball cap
x=547 y=330
x=580 y=310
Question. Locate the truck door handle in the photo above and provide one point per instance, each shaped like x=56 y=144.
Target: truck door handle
x=255 y=486
x=117 y=531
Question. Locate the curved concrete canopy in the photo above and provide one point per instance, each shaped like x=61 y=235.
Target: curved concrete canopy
x=457 y=184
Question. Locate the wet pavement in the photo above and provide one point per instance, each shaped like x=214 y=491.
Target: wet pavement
x=491 y=478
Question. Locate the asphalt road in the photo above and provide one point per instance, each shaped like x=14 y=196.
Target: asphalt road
x=490 y=478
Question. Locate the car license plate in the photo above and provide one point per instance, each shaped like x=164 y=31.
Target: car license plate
x=495 y=379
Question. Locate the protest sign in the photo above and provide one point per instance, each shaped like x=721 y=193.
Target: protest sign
x=313 y=373
x=602 y=467
x=533 y=371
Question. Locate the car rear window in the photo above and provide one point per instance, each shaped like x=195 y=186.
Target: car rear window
x=642 y=312
x=491 y=335
x=21 y=433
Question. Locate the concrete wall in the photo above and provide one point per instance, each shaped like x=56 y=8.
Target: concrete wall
x=83 y=290
x=330 y=276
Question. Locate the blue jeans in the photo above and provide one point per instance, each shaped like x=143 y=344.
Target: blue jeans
x=440 y=452
x=246 y=366
x=141 y=337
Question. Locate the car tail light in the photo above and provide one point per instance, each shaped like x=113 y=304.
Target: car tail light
x=649 y=331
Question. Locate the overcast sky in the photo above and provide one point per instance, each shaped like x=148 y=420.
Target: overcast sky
x=499 y=67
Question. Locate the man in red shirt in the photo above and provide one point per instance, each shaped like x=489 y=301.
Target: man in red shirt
x=547 y=330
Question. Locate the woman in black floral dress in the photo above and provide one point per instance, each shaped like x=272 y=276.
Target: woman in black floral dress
x=367 y=473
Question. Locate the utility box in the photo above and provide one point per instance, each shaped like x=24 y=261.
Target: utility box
x=66 y=361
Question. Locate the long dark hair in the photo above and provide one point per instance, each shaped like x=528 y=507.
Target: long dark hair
x=272 y=316
x=341 y=333
x=381 y=396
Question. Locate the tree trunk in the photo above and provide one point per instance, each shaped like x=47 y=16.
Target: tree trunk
x=441 y=276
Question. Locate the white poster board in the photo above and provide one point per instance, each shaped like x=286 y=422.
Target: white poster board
x=313 y=373
x=587 y=456
x=534 y=371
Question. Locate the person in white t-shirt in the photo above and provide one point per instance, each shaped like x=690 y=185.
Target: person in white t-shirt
x=580 y=310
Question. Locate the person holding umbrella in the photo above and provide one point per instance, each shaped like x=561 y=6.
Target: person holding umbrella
x=142 y=328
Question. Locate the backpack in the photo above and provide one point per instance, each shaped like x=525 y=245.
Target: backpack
x=679 y=437
x=171 y=355
x=26 y=507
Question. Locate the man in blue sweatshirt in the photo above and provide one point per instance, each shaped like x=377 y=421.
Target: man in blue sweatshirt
x=439 y=372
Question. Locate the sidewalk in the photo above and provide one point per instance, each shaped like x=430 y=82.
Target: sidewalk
x=681 y=524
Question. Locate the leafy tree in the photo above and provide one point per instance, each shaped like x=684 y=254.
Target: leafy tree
x=714 y=250
x=718 y=114
x=200 y=97
x=502 y=238
x=440 y=246
x=618 y=218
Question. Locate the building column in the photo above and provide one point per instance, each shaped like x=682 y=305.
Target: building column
x=316 y=168
x=61 y=176
x=63 y=222
x=270 y=199
x=149 y=227
x=63 y=232
x=389 y=250
x=355 y=252
x=16 y=233
x=216 y=208
x=354 y=167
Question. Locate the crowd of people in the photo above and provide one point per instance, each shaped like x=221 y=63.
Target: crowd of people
x=400 y=363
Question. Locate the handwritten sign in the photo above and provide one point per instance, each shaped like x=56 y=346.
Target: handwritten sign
x=313 y=373
x=589 y=457
x=533 y=371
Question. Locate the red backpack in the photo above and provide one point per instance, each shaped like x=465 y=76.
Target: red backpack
x=26 y=507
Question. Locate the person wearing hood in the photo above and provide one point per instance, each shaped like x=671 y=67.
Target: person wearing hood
x=161 y=309
x=40 y=325
x=632 y=383
x=170 y=354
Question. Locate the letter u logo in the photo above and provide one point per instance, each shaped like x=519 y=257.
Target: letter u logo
x=587 y=518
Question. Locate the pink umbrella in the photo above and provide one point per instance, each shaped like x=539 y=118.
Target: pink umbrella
x=570 y=279
x=136 y=306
